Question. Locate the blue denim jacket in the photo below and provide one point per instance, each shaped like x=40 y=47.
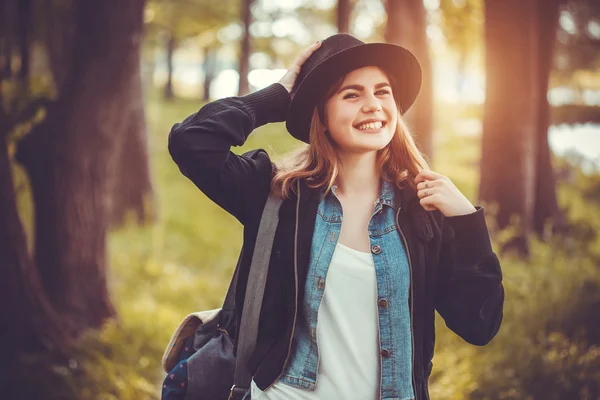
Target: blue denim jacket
x=393 y=285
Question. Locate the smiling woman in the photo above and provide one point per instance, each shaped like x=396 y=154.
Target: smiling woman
x=369 y=242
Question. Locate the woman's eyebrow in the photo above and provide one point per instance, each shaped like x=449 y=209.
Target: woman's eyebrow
x=361 y=88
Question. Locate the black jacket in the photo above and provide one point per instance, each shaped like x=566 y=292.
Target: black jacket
x=455 y=270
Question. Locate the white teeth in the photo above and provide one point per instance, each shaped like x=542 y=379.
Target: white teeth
x=371 y=125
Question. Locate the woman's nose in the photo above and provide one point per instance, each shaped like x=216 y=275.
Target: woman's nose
x=371 y=104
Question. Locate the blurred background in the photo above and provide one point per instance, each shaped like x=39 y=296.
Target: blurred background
x=105 y=246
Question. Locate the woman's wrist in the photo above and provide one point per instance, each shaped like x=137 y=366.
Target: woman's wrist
x=268 y=105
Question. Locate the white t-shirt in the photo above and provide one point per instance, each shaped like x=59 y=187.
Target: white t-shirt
x=347 y=335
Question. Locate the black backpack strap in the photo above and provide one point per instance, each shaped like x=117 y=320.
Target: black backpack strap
x=255 y=289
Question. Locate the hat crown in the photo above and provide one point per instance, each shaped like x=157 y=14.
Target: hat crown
x=330 y=47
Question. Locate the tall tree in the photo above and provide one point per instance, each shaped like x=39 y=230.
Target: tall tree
x=510 y=117
x=343 y=12
x=29 y=323
x=516 y=172
x=171 y=44
x=545 y=207
x=71 y=156
x=245 y=50
x=407 y=26
x=129 y=182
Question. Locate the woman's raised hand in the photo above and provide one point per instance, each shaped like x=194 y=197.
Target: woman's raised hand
x=290 y=76
x=437 y=191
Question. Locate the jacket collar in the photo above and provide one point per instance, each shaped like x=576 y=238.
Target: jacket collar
x=404 y=198
x=387 y=196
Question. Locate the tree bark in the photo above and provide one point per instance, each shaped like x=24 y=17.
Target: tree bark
x=344 y=10
x=170 y=50
x=244 y=63
x=29 y=324
x=407 y=26
x=546 y=207
x=130 y=186
x=510 y=122
x=70 y=156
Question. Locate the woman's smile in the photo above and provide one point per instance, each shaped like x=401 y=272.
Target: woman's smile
x=371 y=126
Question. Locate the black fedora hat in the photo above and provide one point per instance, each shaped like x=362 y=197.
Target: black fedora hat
x=338 y=55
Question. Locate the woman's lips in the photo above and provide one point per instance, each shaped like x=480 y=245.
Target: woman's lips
x=372 y=130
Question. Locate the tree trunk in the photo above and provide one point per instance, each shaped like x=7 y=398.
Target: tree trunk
x=244 y=68
x=406 y=26
x=70 y=156
x=29 y=324
x=170 y=50
x=130 y=186
x=209 y=71
x=546 y=204
x=344 y=10
x=510 y=122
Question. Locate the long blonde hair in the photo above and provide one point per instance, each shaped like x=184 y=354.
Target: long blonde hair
x=400 y=161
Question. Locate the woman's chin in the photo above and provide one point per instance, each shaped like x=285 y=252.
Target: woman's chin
x=373 y=142
x=366 y=146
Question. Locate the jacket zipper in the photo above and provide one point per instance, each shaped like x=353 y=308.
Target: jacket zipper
x=412 y=300
x=296 y=283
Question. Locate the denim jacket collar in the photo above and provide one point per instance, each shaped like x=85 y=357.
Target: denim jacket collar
x=386 y=197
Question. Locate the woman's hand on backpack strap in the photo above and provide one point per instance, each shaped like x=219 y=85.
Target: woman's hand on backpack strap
x=437 y=192
x=288 y=80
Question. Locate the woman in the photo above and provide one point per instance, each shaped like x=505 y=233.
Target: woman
x=370 y=242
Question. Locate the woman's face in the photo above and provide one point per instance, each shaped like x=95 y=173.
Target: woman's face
x=362 y=115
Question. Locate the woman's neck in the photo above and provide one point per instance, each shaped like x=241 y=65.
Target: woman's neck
x=358 y=176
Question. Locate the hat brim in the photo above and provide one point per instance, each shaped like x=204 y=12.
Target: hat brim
x=395 y=60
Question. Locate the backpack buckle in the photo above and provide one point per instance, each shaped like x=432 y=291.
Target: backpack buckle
x=236 y=393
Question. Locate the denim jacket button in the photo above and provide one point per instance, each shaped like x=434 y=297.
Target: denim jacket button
x=385 y=353
x=376 y=249
x=382 y=302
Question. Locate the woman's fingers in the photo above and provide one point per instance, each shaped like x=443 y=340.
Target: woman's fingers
x=430 y=175
x=306 y=54
x=427 y=184
x=428 y=203
x=290 y=76
x=426 y=192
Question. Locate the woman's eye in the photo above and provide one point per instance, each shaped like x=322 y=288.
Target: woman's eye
x=377 y=93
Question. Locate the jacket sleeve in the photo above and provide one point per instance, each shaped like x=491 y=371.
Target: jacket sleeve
x=200 y=146
x=469 y=295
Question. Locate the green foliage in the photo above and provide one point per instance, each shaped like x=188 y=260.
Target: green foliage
x=462 y=23
x=187 y=18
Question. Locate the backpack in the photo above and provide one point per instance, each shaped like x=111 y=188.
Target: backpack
x=199 y=360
